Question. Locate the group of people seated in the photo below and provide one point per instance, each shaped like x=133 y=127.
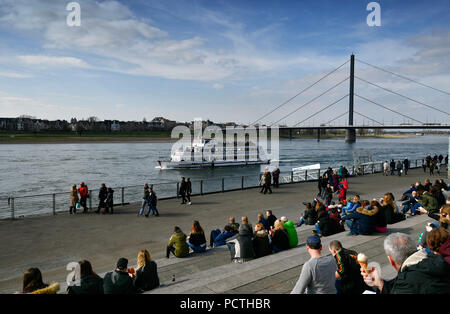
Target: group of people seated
x=269 y=235
x=122 y=280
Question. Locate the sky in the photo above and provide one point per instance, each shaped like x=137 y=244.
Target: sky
x=228 y=60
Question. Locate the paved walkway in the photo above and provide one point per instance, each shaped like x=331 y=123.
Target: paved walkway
x=51 y=242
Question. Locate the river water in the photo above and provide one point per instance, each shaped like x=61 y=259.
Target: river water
x=30 y=169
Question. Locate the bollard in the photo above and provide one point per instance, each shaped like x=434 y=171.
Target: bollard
x=306 y=175
x=178 y=189
x=201 y=187
x=292 y=176
x=54 y=204
x=123 y=196
x=90 y=200
x=242 y=182
x=223 y=185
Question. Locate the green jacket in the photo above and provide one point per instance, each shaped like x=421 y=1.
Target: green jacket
x=178 y=241
x=292 y=233
x=429 y=202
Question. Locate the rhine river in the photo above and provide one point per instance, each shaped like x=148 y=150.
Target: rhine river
x=30 y=169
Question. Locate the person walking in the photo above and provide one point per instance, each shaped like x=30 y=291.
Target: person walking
x=406 y=165
x=392 y=165
x=144 y=200
x=276 y=177
x=84 y=194
x=102 y=194
x=152 y=201
x=386 y=168
x=189 y=190
x=73 y=199
x=399 y=168
x=109 y=201
x=183 y=189
x=267 y=182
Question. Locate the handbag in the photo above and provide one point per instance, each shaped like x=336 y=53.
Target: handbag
x=78 y=205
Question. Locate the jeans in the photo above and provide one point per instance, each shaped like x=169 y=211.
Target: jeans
x=197 y=249
x=301 y=222
x=317 y=228
x=153 y=209
x=144 y=203
x=352 y=227
x=214 y=234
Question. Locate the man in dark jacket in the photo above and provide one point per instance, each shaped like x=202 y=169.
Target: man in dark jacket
x=188 y=190
x=119 y=281
x=103 y=192
x=276 y=177
x=418 y=272
x=152 y=201
x=270 y=218
x=406 y=165
x=348 y=274
x=392 y=166
x=144 y=199
x=183 y=190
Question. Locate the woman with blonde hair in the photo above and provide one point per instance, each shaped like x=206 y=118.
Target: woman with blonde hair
x=73 y=199
x=146 y=272
x=280 y=239
x=197 y=239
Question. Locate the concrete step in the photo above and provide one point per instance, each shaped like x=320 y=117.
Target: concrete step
x=286 y=265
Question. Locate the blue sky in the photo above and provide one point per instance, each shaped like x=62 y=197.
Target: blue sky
x=222 y=60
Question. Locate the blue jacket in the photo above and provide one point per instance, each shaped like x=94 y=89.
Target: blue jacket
x=364 y=220
x=351 y=207
x=221 y=238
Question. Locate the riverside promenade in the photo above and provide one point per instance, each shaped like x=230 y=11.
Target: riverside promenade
x=51 y=242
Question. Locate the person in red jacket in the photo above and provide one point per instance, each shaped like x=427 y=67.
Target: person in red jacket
x=84 y=193
x=343 y=187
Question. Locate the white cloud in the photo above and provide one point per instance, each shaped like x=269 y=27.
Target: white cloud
x=15 y=75
x=52 y=61
x=217 y=86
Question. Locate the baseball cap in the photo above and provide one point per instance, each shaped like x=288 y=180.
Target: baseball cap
x=313 y=242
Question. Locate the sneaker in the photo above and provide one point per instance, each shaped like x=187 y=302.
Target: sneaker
x=190 y=203
x=146 y=216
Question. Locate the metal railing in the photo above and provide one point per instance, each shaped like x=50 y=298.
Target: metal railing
x=13 y=207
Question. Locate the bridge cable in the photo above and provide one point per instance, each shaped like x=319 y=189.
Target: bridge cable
x=310 y=101
x=336 y=117
x=287 y=101
x=375 y=103
x=368 y=117
x=321 y=110
x=404 y=77
x=391 y=91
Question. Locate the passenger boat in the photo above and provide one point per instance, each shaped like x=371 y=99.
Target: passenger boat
x=206 y=153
